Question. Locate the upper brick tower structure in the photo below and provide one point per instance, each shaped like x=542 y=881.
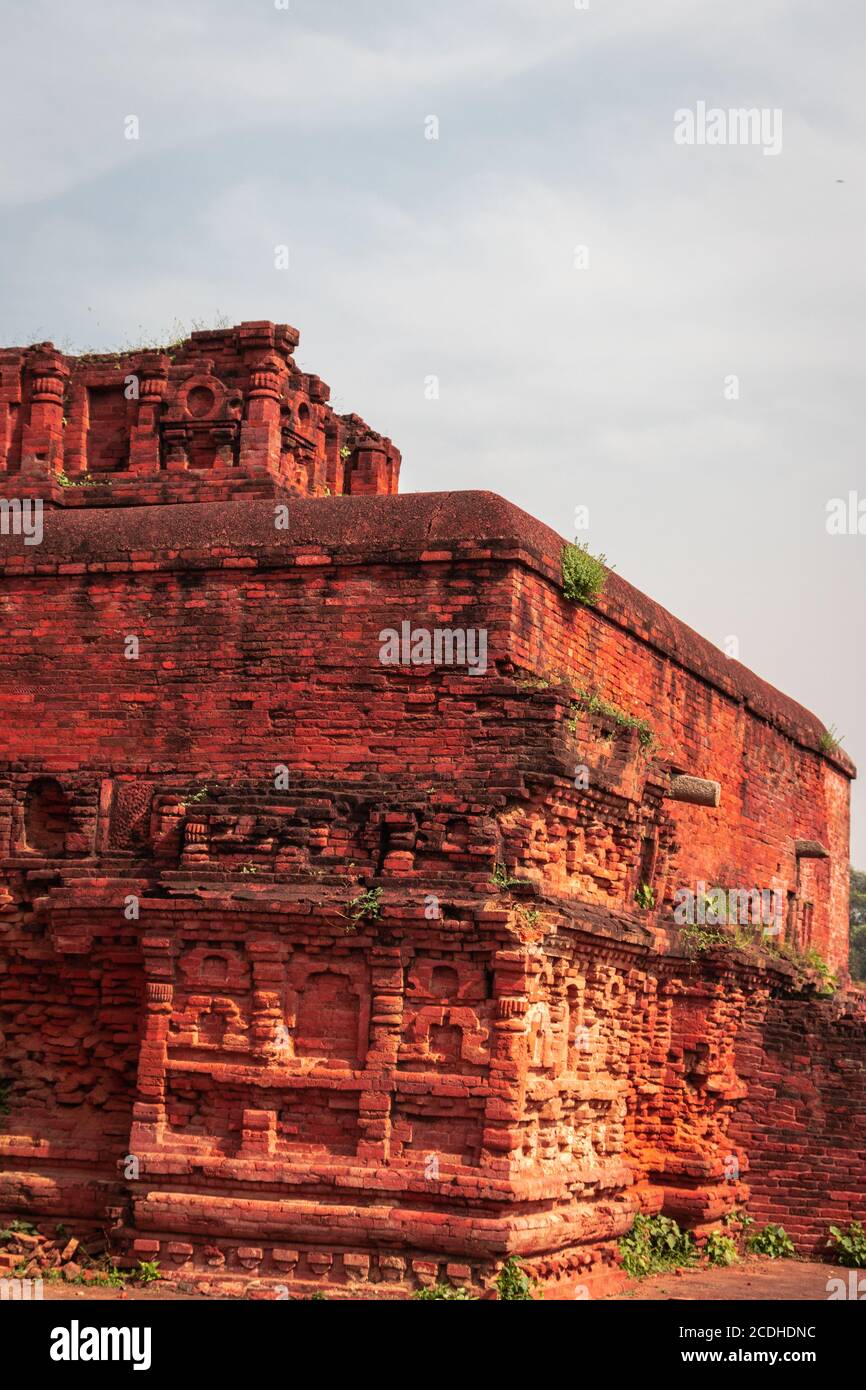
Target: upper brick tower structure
x=341 y=854
x=223 y=413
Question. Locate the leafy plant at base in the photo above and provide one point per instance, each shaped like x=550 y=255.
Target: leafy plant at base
x=437 y=1292
x=772 y=1241
x=654 y=1244
x=512 y=1285
x=107 y=1277
x=147 y=1271
x=738 y=1218
x=720 y=1249
x=16 y=1228
x=849 y=1246
x=583 y=575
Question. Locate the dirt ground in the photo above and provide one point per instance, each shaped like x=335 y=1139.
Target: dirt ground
x=756 y=1278
x=801 y=1281
x=153 y=1293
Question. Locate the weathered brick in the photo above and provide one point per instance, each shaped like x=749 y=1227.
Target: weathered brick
x=386 y=973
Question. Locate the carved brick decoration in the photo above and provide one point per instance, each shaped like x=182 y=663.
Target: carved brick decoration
x=373 y=966
x=224 y=413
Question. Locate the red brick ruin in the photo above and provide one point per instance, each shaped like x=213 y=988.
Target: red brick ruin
x=332 y=960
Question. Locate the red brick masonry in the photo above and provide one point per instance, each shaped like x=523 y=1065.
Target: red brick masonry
x=204 y=762
x=225 y=413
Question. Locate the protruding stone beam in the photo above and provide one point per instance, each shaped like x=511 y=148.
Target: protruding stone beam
x=810 y=849
x=696 y=790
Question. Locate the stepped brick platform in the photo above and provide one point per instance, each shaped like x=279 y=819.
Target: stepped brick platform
x=338 y=955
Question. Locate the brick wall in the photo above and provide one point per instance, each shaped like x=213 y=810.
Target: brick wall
x=507 y=1053
x=803 y=1118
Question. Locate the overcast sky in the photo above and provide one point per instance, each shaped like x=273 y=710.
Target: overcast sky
x=565 y=378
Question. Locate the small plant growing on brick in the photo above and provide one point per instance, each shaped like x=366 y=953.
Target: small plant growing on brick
x=365 y=907
x=512 y=1285
x=593 y=703
x=147 y=1271
x=720 y=1249
x=703 y=938
x=442 y=1292
x=501 y=878
x=849 y=1246
x=583 y=575
x=815 y=961
x=533 y=683
x=84 y=481
x=645 y=896
x=811 y=960
x=655 y=1244
x=773 y=1241
x=831 y=740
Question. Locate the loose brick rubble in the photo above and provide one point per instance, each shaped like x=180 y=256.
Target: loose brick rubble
x=30 y=1254
x=498 y=1051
